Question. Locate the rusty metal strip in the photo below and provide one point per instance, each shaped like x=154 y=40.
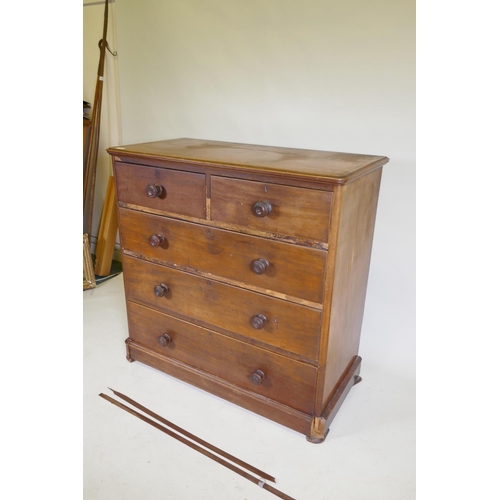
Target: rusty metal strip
x=194 y=446
x=180 y=430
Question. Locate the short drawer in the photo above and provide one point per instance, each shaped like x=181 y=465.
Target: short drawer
x=169 y=191
x=277 y=377
x=290 y=327
x=288 y=269
x=272 y=208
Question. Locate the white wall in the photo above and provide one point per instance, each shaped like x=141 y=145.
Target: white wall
x=322 y=74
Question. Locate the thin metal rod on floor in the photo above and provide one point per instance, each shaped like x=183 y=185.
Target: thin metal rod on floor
x=201 y=450
x=180 y=430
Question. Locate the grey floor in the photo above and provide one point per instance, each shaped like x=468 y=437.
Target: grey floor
x=369 y=453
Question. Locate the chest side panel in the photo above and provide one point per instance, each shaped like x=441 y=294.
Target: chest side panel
x=351 y=262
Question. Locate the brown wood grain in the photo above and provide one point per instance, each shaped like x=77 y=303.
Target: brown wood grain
x=335 y=166
x=290 y=327
x=293 y=270
x=183 y=192
x=287 y=381
x=230 y=227
x=283 y=414
x=351 y=255
x=295 y=211
x=320 y=425
x=86 y=127
x=107 y=232
x=310 y=253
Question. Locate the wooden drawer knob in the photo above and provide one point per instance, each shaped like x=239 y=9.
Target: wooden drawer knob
x=260 y=266
x=154 y=190
x=257 y=377
x=161 y=290
x=258 y=321
x=164 y=340
x=262 y=208
x=157 y=240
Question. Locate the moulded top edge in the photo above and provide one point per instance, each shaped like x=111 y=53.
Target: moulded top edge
x=321 y=165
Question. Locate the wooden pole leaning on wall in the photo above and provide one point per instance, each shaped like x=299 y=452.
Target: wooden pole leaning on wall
x=93 y=148
x=107 y=231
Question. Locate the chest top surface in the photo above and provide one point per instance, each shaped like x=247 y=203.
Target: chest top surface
x=327 y=166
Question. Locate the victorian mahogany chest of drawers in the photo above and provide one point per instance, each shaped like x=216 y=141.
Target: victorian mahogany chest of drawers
x=245 y=270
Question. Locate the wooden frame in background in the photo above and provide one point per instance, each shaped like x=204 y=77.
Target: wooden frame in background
x=88 y=267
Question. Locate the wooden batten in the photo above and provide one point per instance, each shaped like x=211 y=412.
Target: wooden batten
x=107 y=231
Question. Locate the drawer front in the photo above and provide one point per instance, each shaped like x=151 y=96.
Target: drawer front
x=285 y=380
x=289 y=269
x=297 y=212
x=287 y=326
x=170 y=191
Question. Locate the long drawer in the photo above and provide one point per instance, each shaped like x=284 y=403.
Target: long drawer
x=277 y=377
x=288 y=269
x=272 y=208
x=170 y=191
x=287 y=326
